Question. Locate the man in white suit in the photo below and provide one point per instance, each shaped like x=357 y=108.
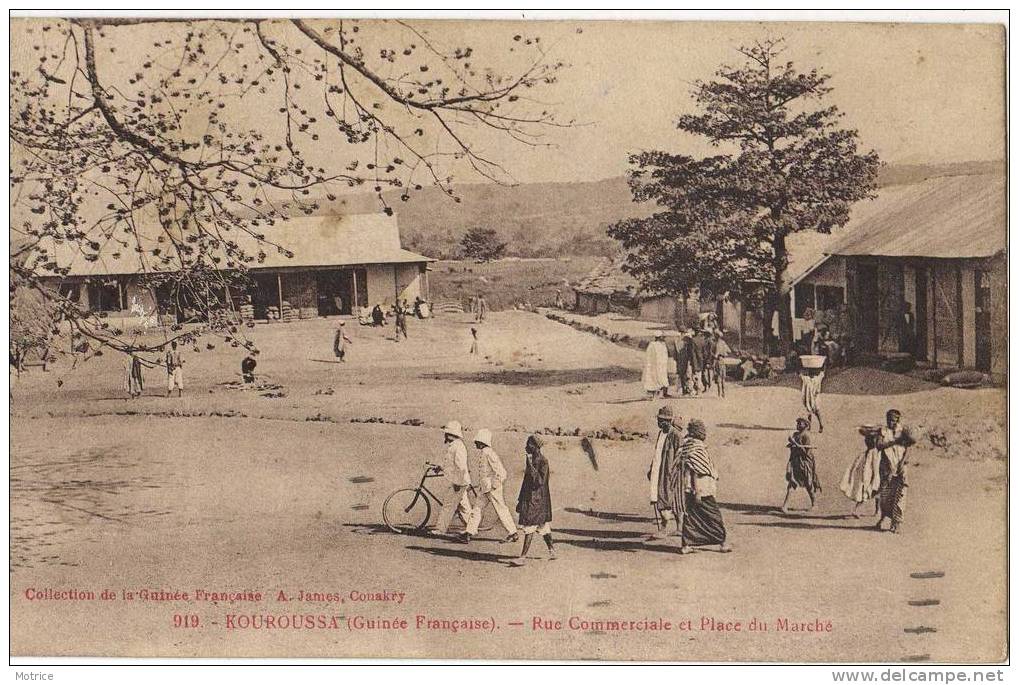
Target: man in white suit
x=493 y=475
x=457 y=477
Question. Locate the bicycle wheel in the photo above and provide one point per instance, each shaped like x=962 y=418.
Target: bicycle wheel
x=406 y=510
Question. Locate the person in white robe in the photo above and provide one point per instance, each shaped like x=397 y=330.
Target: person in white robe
x=656 y=368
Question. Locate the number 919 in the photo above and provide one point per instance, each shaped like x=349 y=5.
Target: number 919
x=185 y=620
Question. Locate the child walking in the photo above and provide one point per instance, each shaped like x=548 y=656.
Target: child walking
x=801 y=471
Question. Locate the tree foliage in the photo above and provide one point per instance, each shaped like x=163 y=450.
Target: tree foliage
x=179 y=143
x=482 y=244
x=787 y=166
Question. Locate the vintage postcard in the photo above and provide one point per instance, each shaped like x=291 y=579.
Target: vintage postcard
x=515 y=340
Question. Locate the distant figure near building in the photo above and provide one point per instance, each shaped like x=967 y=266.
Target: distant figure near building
x=400 y=321
x=482 y=308
x=722 y=351
x=340 y=341
x=801 y=471
x=135 y=384
x=656 y=368
x=475 y=345
x=174 y=371
x=378 y=316
x=707 y=345
x=534 y=505
x=907 y=334
x=248 y=365
x=559 y=303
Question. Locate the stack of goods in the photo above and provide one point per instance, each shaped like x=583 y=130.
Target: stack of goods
x=288 y=312
x=308 y=312
x=272 y=313
x=247 y=311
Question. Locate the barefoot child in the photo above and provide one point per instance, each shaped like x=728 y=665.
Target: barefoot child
x=801 y=472
x=534 y=505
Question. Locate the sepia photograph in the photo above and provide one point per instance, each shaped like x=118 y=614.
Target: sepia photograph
x=480 y=339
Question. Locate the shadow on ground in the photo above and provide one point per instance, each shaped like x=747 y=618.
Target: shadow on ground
x=754 y=427
x=542 y=377
x=464 y=553
x=615 y=517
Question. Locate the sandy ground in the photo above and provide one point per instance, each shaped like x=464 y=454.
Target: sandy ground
x=234 y=490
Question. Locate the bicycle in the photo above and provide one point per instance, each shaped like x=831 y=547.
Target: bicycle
x=410 y=509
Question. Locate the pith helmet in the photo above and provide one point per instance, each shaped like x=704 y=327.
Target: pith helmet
x=484 y=436
x=453 y=428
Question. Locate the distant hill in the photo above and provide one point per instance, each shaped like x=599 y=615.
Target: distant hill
x=534 y=219
x=905 y=174
x=553 y=219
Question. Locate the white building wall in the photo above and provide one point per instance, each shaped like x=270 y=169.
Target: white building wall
x=381 y=284
x=408 y=281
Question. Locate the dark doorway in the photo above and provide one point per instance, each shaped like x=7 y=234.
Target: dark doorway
x=264 y=294
x=982 y=296
x=921 y=312
x=335 y=292
x=867 y=304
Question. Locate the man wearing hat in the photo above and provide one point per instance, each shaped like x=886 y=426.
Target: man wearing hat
x=667 y=446
x=458 y=477
x=493 y=475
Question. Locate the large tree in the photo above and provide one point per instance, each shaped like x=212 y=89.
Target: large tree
x=180 y=142
x=785 y=166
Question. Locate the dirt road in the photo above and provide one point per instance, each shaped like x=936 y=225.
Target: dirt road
x=279 y=491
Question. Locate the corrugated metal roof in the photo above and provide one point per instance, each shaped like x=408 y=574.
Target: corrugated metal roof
x=315 y=241
x=954 y=217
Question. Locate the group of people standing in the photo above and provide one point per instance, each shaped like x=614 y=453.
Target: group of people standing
x=698 y=360
x=878 y=473
x=534 y=502
x=173 y=362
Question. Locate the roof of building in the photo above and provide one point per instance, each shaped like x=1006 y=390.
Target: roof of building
x=314 y=241
x=953 y=217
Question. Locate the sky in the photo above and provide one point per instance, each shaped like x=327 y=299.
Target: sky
x=917 y=93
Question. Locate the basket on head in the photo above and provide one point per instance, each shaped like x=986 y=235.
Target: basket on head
x=812 y=361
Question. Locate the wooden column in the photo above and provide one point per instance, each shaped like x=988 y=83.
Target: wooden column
x=353 y=273
x=961 y=327
x=933 y=304
x=279 y=292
